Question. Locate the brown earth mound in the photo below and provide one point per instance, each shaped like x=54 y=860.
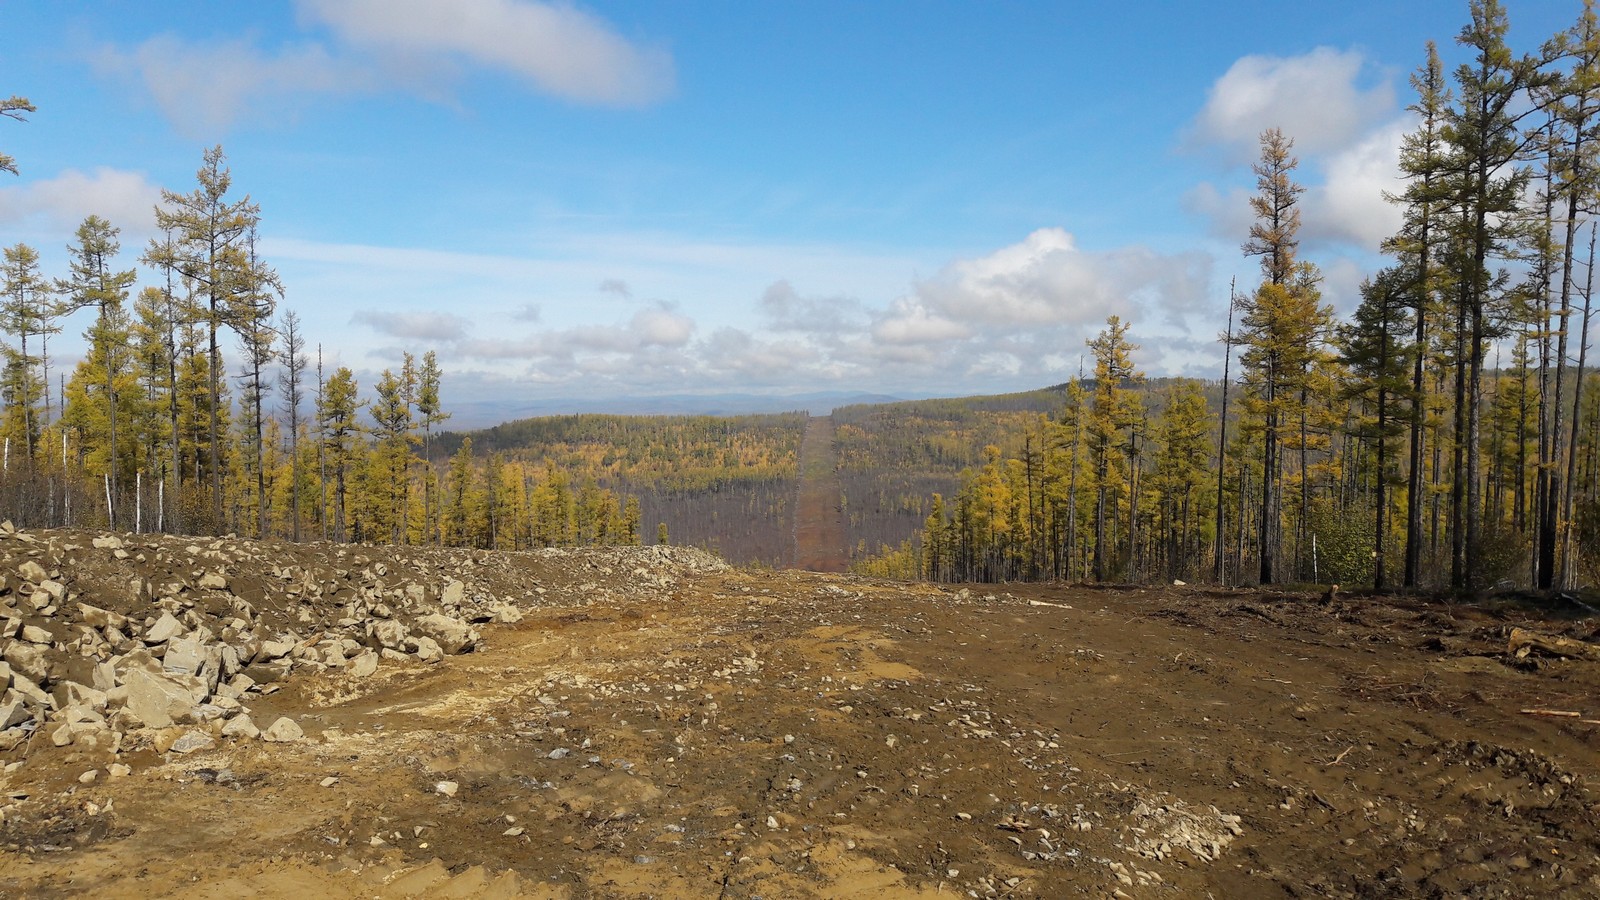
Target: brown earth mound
x=647 y=723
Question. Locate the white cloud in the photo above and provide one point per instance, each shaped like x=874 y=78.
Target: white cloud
x=1043 y=282
x=563 y=50
x=1349 y=204
x=202 y=88
x=1317 y=99
x=125 y=199
x=416 y=46
x=422 y=326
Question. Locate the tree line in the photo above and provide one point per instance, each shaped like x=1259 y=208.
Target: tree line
x=1444 y=437
x=151 y=431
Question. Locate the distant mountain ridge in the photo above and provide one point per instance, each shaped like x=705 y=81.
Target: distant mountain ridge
x=473 y=415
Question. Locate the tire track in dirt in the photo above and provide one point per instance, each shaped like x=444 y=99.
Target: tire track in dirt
x=819 y=539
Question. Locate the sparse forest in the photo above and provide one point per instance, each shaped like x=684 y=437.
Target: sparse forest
x=1445 y=437
x=163 y=426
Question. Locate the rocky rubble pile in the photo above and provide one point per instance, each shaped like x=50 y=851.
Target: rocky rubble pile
x=103 y=637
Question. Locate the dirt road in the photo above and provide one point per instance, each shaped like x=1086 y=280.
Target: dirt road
x=819 y=535
x=795 y=735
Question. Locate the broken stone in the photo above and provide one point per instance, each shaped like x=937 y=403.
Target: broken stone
x=33 y=634
x=27 y=660
x=364 y=665
x=428 y=650
x=241 y=727
x=389 y=634
x=282 y=731
x=213 y=581
x=193 y=741
x=165 y=629
x=32 y=571
x=160 y=700
x=447 y=788
x=454 y=636
x=184 y=656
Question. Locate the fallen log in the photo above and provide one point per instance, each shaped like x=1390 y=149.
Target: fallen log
x=1523 y=640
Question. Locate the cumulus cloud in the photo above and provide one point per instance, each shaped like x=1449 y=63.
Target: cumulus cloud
x=616 y=287
x=125 y=199
x=654 y=328
x=417 y=46
x=528 y=312
x=1045 y=281
x=203 y=87
x=1317 y=98
x=561 y=49
x=420 y=326
x=1349 y=205
x=787 y=310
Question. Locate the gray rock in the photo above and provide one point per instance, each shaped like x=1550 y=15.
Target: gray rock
x=184 y=656
x=453 y=635
x=213 y=581
x=13 y=711
x=428 y=650
x=32 y=571
x=33 y=634
x=454 y=594
x=282 y=731
x=5 y=677
x=55 y=590
x=193 y=741
x=364 y=665
x=240 y=726
x=389 y=634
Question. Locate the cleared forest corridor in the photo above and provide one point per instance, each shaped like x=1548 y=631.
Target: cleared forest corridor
x=818 y=522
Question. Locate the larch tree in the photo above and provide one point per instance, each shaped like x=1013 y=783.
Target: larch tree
x=25 y=298
x=293 y=360
x=92 y=282
x=1418 y=246
x=14 y=107
x=1114 y=414
x=206 y=245
x=1483 y=129
x=1279 y=325
x=336 y=419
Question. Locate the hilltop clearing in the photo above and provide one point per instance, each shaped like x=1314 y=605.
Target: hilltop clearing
x=650 y=723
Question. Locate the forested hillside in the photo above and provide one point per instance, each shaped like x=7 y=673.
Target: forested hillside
x=892 y=457
x=1444 y=437
x=724 y=483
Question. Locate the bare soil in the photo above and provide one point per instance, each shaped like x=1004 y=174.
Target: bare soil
x=741 y=735
x=819 y=533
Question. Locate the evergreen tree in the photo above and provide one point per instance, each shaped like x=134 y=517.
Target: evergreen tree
x=91 y=282
x=13 y=108
x=25 y=298
x=206 y=245
x=336 y=419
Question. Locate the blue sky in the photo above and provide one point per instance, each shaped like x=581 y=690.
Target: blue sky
x=631 y=198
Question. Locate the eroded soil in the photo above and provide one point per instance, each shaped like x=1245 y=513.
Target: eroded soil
x=746 y=735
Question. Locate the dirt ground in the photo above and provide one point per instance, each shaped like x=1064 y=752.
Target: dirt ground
x=741 y=734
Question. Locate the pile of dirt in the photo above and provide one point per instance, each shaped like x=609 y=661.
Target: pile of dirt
x=649 y=723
